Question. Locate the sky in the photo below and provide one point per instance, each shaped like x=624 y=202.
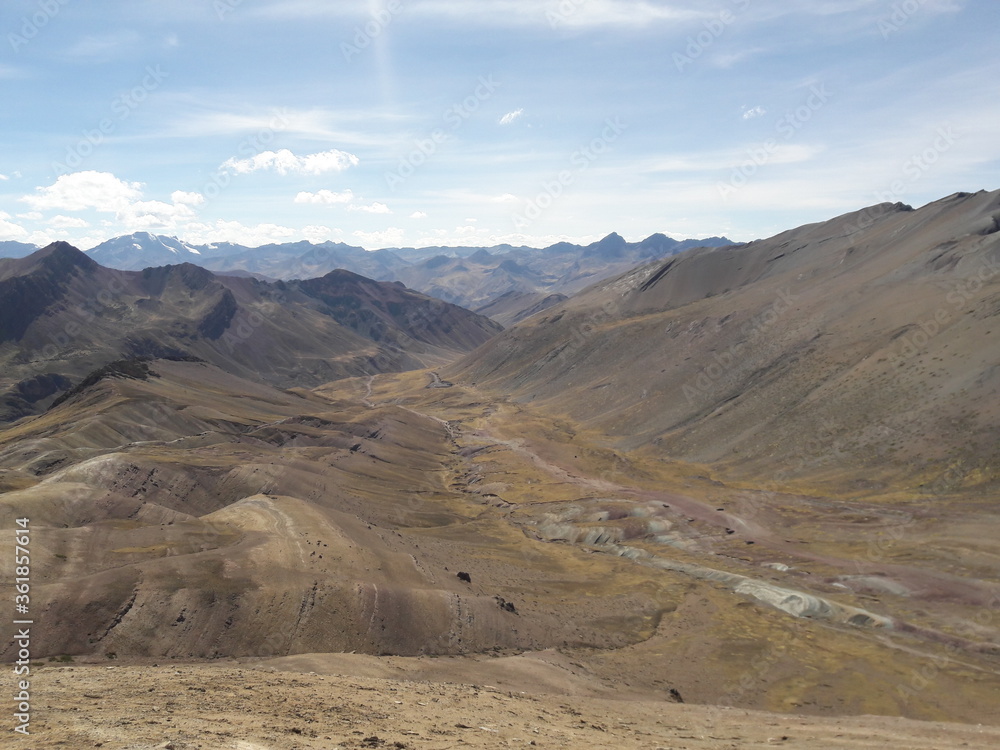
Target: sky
x=394 y=123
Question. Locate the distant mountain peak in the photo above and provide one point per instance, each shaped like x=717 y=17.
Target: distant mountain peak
x=145 y=247
x=612 y=240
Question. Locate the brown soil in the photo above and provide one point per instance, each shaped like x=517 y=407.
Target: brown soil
x=239 y=707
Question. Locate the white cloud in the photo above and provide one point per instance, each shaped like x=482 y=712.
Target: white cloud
x=187 y=199
x=10 y=231
x=326 y=197
x=4 y=177
x=101 y=191
x=154 y=216
x=284 y=161
x=418 y=215
x=67 y=222
x=391 y=237
x=32 y=216
x=749 y=113
x=318 y=233
x=374 y=208
x=510 y=117
x=234 y=231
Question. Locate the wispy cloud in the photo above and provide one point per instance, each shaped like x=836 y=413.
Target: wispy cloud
x=590 y=14
x=344 y=127
x=707 y=162
x=103 y=47
x=299 y=9
x=10 y=72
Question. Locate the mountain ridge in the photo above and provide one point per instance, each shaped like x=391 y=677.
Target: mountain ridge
x=63 y=315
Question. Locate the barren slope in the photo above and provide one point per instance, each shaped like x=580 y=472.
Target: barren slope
x=864 y=349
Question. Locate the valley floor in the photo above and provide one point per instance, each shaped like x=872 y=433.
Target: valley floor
x=600 y=585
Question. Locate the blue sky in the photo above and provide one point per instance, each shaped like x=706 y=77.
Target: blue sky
x=423 y=122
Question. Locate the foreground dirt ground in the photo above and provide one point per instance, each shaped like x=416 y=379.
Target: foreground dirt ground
x=256 y=707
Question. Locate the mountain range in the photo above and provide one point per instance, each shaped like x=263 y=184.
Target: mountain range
x=64 y=315
x=471 y=277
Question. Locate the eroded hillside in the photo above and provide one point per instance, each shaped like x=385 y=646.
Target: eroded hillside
x=860 y=354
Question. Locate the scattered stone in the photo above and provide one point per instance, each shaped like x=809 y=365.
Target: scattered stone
x=506 y=605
